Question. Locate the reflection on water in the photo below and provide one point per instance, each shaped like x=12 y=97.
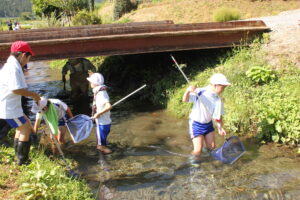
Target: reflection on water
x=150 y=158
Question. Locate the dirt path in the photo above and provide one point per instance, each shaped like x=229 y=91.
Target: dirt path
x=284 y=38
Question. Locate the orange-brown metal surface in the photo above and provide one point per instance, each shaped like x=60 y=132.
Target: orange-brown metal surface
x=131 y=38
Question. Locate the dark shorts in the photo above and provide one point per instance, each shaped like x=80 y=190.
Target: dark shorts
x=197 y=128
x=17 y=122
x=102 y=133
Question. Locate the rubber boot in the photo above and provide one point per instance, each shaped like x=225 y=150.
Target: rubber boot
x=23 y=153
x=16 y=140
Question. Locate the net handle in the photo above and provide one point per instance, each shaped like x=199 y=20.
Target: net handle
x=187 y=80
x=135 y=91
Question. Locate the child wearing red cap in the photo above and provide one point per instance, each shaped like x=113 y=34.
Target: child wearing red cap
x=12 y=88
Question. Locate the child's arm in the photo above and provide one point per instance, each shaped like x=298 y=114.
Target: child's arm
x=219 y=124
x=69 y=113
x=186 y=95
x=37 y=122
x=107 y=107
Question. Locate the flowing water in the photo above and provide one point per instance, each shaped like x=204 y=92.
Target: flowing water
x=151 y=157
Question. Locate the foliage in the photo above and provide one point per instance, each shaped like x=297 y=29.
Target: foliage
x=59 y=8
x=123 y=6
x=226 y=14
x=13 y=8
x=6 y=156
x=57 y=64
x=123 y=20
x=44 y=8
x=278 y=117
x=85 y=18
x=261 y=75
x=70 y=7
x=45 y=179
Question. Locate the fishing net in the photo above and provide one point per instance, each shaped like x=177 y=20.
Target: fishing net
x=230 y=151
x=80 y=127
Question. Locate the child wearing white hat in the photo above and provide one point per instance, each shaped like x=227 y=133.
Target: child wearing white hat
x=61 y=111
x=207 y=107
x=101 y=111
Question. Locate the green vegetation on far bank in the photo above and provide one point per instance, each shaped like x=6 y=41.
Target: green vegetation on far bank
x=44 y=178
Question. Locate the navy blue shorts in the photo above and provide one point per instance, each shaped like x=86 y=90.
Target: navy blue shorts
x=17 y=122
x=197 y=128
x=102 y=133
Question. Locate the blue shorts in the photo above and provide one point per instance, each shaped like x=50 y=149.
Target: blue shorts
x=197 y=128
x=102 y=133
x=17 y=122
x=61 y=122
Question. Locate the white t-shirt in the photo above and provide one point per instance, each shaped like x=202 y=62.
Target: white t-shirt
x=101 y=99
x=11 y=78
x=206 y=107
x=60 y=107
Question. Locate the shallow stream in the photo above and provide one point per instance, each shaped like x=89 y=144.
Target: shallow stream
x=151 y=157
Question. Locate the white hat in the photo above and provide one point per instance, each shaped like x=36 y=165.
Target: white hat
x=96 y=78
x=219 y=79
x=41 y=104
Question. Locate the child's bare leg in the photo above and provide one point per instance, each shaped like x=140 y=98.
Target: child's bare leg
x=198 y=144
x=210 y=140
x=23 y=132
x=61 y=134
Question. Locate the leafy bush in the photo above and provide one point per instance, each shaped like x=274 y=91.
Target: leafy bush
x=278 y=117
x=226 y=14
x=123 y=6
x=261 y=75
x=85 y=18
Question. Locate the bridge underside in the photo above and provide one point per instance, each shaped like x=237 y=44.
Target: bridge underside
x=130 y=38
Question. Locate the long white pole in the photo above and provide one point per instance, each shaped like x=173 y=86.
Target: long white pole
x=187 y=80
x=135 y=91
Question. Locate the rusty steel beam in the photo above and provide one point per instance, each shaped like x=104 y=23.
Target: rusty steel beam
x=133 y=39
x=89 y=27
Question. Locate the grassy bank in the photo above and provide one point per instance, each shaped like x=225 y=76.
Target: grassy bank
x=195 y=11
x=267 y=110
x=44 y=178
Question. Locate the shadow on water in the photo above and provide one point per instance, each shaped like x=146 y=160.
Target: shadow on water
x=150 y=158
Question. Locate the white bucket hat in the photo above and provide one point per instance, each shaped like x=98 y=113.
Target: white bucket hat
x=96 y=78
x=41 y=104
x=219 y=79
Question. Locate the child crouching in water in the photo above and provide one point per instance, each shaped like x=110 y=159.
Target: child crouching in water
x=207 y=106
x=101 y=111
x=54 y=112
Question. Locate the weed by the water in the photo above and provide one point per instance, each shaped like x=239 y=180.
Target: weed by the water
x=42 y=179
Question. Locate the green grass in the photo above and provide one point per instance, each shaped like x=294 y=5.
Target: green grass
x=226 y=14
x=42 y=179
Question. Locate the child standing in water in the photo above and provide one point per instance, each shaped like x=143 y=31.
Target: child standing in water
x=101 y=111
x=207 y=107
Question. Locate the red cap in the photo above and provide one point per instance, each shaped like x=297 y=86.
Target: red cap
x=21 y=46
